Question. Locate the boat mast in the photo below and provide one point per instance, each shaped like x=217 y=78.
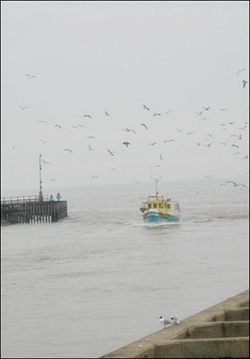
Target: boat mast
x=156 y=186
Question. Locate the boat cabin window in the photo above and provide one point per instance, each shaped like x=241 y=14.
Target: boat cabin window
x=160 y=205
x=168 y=206
x=149 y=205
x=155 y=205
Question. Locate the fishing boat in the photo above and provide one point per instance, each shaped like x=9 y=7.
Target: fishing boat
x=158 y=209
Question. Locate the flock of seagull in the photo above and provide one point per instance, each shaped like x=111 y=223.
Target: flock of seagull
x=202 y=113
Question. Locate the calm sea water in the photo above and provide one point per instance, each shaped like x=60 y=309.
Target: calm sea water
x=100 y=278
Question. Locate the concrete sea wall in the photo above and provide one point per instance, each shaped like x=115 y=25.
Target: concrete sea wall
x=221 y=331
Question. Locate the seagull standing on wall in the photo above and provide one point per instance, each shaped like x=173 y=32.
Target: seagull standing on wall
x=166 y=322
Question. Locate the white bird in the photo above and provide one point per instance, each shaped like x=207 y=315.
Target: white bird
x=143 y=124
x=107 y=114
x=175 y=319
x=67 y=149
x=206 y=108
x=166 y=322
x=87 y=116
x=169 y=111
x=146 y=108
x=30 y=76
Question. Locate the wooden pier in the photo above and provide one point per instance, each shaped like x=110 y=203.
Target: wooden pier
x=32 y=209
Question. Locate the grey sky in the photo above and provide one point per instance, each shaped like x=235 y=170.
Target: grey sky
x=92 y=57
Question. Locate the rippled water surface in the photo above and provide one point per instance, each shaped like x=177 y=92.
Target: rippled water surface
x=100 y=278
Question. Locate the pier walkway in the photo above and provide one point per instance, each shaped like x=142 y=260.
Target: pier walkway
x=221 y=331
x=32 y=209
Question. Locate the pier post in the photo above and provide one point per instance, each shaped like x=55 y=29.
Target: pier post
x=40 y=180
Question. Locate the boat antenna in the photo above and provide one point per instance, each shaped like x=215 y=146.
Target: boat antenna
x=156 y=184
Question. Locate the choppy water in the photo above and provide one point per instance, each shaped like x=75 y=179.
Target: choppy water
x=100 y=278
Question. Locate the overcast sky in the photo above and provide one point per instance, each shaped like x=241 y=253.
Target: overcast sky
x=86 y=58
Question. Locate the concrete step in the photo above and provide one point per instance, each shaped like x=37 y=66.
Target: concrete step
x=204 y=348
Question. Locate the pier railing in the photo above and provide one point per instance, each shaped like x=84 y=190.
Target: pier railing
x=23 y=199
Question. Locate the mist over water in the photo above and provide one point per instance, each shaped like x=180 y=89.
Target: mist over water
x=100 y=278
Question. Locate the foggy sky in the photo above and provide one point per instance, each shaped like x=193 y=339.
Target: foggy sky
x=92 y=57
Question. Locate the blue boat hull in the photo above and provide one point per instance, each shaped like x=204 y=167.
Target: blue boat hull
x=154 y=217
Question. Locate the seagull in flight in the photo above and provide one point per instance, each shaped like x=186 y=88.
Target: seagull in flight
x=126 y=143
x=240 y=71
x=67 y=149
x=43 y=121
x=146 y=108
x=107 y=114
x=30 y=76
x=208 y=144
x=166 y=322
x=23 y=108
x=43 y=141
x=206 y=108
x=87 y=116
x=171 y=140
x=244 y=82
x=169 y=111
x=236 y=184
x=190 y=133
x=128 y=130
x=152 y=144
x=199 y=113
x=94 y=177
x=143 y=124
x=156 y=114
x=110 y=152
x=58 y=126
x=245 y=157
x=233 y=145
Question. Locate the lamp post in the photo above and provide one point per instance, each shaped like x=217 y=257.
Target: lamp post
x=40 y=180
